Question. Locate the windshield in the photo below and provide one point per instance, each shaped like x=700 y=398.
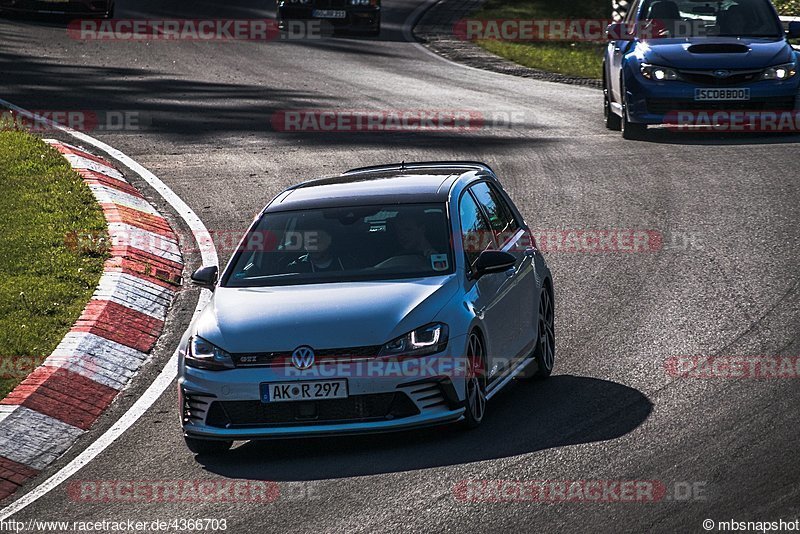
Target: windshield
x=344 y=244
x=693 y=18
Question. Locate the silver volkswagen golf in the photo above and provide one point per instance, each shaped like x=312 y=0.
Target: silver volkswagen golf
x=387 y=298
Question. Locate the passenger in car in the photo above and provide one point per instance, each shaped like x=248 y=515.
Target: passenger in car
x=411 y=234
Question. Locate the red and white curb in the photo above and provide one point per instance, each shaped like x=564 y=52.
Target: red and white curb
x=61 y=399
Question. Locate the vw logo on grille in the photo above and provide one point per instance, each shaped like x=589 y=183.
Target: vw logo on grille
x=722 y=73
x=303 y=357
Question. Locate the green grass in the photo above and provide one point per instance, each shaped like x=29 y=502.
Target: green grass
x=44 y=282
x=573 y=59
x=580 y=59
x=788 y=7
x=520 y=9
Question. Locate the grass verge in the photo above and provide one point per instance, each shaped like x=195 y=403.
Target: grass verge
x=573 y=59
x=44 y=282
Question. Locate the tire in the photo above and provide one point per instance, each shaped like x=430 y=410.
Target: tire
x=545 y=351
x=207 y=446
x=476 y=382
x=612 y=120
x=630 y=130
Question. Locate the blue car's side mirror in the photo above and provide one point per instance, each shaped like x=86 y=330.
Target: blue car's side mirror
x=793 y=32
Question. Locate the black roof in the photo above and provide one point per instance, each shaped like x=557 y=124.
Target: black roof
x=426 y=182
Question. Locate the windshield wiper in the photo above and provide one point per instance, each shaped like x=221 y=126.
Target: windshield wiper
x=263 y=276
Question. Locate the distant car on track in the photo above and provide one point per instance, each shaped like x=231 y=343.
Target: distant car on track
x=387 y=298
x=350 y=15
x=73 y=8
x=697 y=55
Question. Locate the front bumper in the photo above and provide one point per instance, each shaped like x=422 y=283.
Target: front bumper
x=226 y=404
x=652 y=102
x=358 y=18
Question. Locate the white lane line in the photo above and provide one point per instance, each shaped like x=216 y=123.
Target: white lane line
x=208 y=253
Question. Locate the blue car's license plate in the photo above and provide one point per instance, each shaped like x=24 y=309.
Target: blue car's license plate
x=299 y=391
x=711 y=95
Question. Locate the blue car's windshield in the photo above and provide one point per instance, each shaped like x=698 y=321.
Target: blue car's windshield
x=698 y=18
x=344 y=244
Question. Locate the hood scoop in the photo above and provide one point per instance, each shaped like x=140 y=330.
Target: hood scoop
x=718 y=48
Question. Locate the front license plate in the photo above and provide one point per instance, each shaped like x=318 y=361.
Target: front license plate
x=329 y=14
x=298 y=391
x=711 y=95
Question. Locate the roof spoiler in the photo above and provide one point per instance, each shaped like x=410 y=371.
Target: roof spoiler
x=467 y=165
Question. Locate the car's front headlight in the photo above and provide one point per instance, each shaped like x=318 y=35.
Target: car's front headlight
x=425 y=340
x=205 y=355
x=780 y=72
x=658 y=74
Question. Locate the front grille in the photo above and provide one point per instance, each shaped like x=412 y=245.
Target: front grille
x=279 y=359
x=357 y=408
x=660 y=106
x=708 y=78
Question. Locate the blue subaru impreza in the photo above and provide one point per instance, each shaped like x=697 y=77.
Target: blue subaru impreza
x=677 y=57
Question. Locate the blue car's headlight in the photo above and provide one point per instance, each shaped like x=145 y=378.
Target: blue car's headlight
x=428 y=339
x=658 y=74
x=780 y=72
x=205 y=355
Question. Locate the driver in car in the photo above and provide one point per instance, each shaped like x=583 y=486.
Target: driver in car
x=318 y=257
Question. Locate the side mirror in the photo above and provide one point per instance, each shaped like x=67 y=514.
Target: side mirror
x=493 y=261
x=793 y=31
x=618 y=31
x=206 y=277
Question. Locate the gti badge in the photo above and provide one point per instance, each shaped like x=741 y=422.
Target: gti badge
x=303 y=358
x=722 y=73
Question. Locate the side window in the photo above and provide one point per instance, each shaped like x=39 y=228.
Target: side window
x=501 y=218
x=475 y=231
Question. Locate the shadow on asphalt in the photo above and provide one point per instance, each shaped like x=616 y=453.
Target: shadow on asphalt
x=669 y=137
x=164 y=104
x=528 y=417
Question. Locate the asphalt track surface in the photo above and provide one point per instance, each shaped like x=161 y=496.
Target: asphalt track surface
x=724 y=283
